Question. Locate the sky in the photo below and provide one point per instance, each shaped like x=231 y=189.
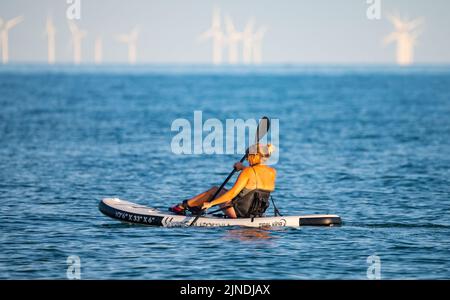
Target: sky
x=299 y=31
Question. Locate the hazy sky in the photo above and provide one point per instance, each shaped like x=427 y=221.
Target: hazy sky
x=300 y=31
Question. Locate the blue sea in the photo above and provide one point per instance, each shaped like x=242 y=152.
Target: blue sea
x=369 y=143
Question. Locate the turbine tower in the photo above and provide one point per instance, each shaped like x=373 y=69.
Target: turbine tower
x=77 y=36
x=215 y=33
x=5 y=27
x=406 y=38
x=233 y=37
x=247 y=38
x=131 y=40
x=51 y=32
x=257 y=45
x=98 y=51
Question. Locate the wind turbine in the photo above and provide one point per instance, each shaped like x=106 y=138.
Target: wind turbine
x=257 y=45
x=406 y=37
x=247 y=38
x=215 y=33
x=4 y=37
x=51 y=32
x=98 y=51
x=77 y=36
x=131 y=40
x=233 y=37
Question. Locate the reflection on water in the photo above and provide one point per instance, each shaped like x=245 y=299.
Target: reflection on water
x=249 y=234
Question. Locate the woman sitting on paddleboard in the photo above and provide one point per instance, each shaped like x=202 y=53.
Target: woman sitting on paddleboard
x=248 y=198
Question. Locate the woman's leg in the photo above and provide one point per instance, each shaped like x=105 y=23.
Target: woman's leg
x=199 y=199
x=229 y=210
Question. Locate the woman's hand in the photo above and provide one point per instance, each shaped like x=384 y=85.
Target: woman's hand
x=206 y=205
x=239 y=166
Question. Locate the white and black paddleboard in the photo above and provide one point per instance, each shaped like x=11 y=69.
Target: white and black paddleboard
x=129 y=212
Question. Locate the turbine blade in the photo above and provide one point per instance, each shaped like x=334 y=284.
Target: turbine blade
x=205 y=35
x=123 y=38
x=416 y=34
x=261 y=32
x=249 y=26
x=134 y=33
x=72 y=27
x=13 y=22
x=396 y=21
x=390 y=38
x=415 y=23
x=229 y=24
x=216 y=18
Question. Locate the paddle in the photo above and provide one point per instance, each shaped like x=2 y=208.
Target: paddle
x=261 y=131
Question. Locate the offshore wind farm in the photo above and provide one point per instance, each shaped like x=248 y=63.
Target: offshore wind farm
x=223 y=42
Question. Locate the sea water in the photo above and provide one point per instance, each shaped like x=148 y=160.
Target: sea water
x=371 y=144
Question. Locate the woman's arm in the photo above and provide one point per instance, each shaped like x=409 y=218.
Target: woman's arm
x=239 y=185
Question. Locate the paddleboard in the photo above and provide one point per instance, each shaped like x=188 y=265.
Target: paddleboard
x=133 y=213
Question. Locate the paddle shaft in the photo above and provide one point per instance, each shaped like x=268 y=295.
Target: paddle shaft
x=226 y=180
x=219 y=189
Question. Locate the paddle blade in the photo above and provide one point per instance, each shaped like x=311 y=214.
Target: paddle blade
x=263 y=128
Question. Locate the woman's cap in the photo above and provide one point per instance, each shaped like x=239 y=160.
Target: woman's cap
x=262 y=149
